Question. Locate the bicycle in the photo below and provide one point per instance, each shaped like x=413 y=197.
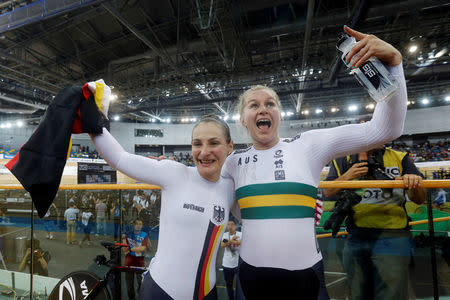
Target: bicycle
x=84 y=285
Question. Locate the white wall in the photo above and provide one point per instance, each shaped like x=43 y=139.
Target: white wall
x=425 y=120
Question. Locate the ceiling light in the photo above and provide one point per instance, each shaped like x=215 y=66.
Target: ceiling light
x=447 y=98
x=413 y=48
x=2 y=126
x=305 y=112
x=425 y=101
x=283 y=114
x=19 y=123
x=113 y=97
x=194 y=119
x=353 y=107
x=334 y=109
x=168 y=120
x=153 y=120
x=116 y=118
x=409 y=102
x=370 y=106
x=225 y=117
x=236 y=117
x=318 y=111
x=8 y=125
x=289 y=113
x=440 y=53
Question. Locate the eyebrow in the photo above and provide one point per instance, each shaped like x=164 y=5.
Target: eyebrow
x=265 y=99
x=210 y=139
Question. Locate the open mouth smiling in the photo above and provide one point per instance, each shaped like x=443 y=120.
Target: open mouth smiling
x=263 y=122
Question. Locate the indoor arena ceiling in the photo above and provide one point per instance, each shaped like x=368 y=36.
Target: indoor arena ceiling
x=180 y=59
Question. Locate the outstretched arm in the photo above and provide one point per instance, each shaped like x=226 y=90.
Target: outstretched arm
x=136 y=166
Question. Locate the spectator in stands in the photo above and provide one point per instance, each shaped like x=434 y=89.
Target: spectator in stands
x=377 y=252
x=138 y=241
x=71 y=216
x=39 y=257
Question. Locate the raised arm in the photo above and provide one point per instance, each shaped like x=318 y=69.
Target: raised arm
x=138 y=167
x=387 y=120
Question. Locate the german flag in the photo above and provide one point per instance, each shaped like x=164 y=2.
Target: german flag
x=202 y=287
x=278 y=200
x=40 y=162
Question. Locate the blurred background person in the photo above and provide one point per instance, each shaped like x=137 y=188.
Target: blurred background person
x=378 y=250
x=87 y=218
x=50 y=221
x=71 y=216
x=231 y=242
x=138 y=242
x=39 y=257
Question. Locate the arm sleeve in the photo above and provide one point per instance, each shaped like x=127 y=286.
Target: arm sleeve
x=162 y=173
x=386 y=125
x=409 y=167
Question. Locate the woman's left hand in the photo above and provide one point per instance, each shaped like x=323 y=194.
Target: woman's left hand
x=370 y=45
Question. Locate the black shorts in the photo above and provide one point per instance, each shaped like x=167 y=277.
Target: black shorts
x=150 y=290
x=275 y=283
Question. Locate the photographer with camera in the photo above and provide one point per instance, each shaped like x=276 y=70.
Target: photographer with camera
x=39 y=257
x=378 y=249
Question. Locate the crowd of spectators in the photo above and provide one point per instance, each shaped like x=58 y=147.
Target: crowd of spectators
x=426 y=151
x=184 y=158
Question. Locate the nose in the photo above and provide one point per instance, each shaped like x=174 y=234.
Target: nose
x=262 y=109
x=204 y=150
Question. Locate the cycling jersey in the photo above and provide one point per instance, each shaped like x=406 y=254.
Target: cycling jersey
x=276 y=188
x=193 y=217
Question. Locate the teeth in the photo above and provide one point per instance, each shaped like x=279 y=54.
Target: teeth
x=261 y=122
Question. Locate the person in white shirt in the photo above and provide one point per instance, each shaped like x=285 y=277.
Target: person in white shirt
x=230 y=242
x=86 y=223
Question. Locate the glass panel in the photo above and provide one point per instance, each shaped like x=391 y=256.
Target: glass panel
x=113 y=215
x=15 y=235
x=397 y=260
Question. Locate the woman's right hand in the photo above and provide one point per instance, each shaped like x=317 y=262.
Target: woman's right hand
x=106 y=99
x=369 y=45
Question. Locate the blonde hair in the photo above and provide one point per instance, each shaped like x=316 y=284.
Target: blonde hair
x=243 y=97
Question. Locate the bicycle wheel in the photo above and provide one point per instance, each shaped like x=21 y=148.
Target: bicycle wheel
x=76 y=286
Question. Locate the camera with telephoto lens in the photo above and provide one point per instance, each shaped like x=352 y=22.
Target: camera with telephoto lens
x=225 y=241
x=376 y=168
